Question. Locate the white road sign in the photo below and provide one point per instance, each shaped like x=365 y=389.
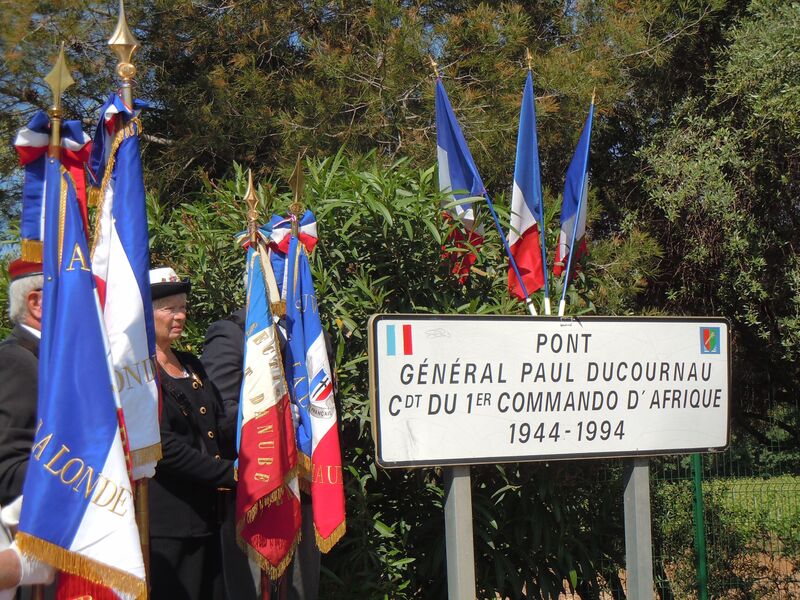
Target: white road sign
x=485 y=389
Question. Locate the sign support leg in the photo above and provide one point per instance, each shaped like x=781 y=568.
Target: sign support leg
x=458 y=533
x=638 y=535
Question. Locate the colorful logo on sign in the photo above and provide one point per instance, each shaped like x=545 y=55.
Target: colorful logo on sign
x=709 y=340
x=398 y=342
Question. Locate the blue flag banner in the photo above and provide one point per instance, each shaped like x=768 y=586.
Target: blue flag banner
x=77 y=511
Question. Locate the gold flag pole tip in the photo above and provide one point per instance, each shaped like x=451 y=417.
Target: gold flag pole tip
x=251 y=200
x=123 y=43
x=435 y=67
x=58 y=80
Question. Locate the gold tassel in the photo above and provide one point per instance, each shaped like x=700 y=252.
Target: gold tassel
x=325 y=544
x=94 y=196
x=75 y=564
x=278 y=308
x=142 y=456
x=31 y=250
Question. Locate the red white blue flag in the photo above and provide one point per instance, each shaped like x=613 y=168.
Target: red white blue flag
x=78 y=512
x=121 y=264
x=460 y=180
x=572 y=239
x=310 y=379
x=526 y=204
x=267 y=492
x=31 y=145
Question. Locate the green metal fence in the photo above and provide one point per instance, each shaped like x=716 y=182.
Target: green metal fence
x=751 y=534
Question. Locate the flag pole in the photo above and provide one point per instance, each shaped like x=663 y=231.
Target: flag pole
x=528 y=300
x=540 y=217
x=123 y=43
x=562 y=302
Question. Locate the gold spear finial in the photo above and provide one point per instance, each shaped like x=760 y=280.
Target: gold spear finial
x=251 y=200
x=434 y=66
x=528 y=57
x=124 y=44
x=58 y=80
x=297 y=182
x=594 y=93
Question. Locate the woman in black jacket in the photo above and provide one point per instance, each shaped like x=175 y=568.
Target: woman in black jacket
x=197 y=444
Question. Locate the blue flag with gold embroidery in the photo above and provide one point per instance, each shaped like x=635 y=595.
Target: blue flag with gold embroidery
x=77 y=510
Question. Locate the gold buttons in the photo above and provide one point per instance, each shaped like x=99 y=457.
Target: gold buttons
x=203 y=410
x=217 y=456
x=211 y=435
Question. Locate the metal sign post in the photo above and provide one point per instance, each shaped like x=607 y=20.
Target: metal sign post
x=458 y=533
x=638 y=535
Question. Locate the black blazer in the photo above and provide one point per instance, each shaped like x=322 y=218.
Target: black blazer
x=197 y=446
x=19 y=376
x=223 y=356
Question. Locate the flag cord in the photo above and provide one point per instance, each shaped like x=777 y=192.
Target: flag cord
x=528 y=301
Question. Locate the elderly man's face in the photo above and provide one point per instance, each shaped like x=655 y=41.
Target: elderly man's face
x=169 y=315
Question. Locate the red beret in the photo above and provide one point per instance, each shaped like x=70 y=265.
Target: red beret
x=17 y=269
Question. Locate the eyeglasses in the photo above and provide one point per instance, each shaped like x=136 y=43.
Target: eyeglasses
x=174 y=310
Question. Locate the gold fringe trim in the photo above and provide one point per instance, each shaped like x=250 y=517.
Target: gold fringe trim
x=325 y=544
x=304 y=465
x=274 y=497
x=273 y=572
x=149 y=454
x=62 y=215
x=75 y=564
x=134 y=127
x=31 y=250
x=94 y=196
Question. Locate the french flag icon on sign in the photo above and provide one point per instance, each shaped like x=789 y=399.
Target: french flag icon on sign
x=398 y=340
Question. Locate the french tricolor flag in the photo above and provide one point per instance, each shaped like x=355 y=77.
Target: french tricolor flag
x=572 y=240
x=526 y=203
x=121 y=264
x=459 y=178
x=308 y=367
x=399 y=340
